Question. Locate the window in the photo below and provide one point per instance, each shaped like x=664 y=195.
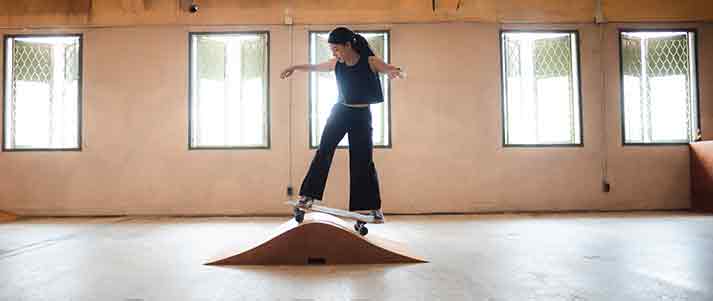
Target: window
x=42 y=100
x=659 y=88
x=541 y=90
x=323 y=89
x=229 y=90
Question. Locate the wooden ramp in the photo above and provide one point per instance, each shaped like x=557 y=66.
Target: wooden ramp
x=320 y=239
x=7 y=217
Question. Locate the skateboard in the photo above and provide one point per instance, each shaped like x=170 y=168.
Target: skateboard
x=361 y=219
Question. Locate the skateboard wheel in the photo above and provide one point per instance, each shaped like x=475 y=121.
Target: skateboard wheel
x=359 y=227
x=363 y=231
x=299 y=215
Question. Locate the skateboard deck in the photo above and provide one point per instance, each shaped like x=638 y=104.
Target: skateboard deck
x=361 y=219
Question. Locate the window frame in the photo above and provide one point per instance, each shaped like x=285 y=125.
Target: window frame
x=503 y=87
x=191 y=87
x=622 y=120
x=80 y=90
x=310 y=143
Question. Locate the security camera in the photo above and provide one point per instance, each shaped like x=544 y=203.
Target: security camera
x=194 y=8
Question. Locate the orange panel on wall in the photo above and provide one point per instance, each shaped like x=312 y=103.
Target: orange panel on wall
x=657 y=10
x=702 y=176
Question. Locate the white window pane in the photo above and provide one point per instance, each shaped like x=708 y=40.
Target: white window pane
x=554 y=120
x=541 y=97
x=229 y=83
x=32 y=114
x=668 y=108
x=633 y=109
x=659 y=87
x=42 y=92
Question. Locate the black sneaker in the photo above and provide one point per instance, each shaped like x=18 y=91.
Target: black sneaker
x=306 y=202
x=378 y=216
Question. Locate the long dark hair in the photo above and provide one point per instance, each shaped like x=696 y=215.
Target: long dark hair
x=342 y=35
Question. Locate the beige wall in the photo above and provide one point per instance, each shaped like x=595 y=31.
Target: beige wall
x=42 y=13
x=446 y=125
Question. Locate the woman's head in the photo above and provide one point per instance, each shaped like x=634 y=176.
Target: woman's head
x=343 y=41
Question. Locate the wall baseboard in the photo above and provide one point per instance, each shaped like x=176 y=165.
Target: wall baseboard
x=107 y=213
x=7 y=217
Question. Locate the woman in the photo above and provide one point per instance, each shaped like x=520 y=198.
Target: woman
x=357 y=70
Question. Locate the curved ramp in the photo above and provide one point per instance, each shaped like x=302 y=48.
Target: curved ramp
x=320 y=239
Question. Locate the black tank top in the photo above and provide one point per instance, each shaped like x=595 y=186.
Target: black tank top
x=358 y=84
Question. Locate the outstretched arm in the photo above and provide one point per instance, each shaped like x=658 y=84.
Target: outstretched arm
x=378 y=65
x=322 y=67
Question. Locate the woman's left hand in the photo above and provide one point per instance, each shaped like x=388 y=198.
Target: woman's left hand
x=397 y=73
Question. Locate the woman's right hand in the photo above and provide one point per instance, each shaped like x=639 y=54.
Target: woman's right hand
x=287 y=73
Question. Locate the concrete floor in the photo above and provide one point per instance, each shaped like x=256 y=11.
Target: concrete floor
x=613 y=256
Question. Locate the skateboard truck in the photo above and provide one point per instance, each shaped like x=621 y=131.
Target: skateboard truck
x=359 y=226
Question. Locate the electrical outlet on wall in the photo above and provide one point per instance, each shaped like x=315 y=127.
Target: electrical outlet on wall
x=605 y=186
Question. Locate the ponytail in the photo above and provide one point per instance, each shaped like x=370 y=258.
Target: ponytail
x=361 y=45
x=342 y=35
